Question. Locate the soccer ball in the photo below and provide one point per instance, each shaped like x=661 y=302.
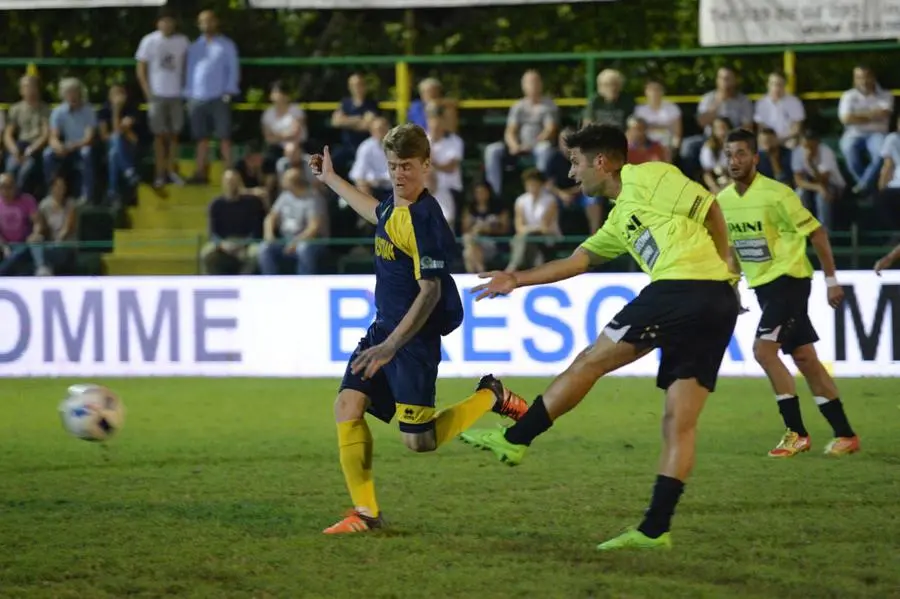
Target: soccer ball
x=91 y=412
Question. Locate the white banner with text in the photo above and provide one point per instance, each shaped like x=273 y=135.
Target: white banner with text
x=308 y=326
x=363 y=4
x=760 y=22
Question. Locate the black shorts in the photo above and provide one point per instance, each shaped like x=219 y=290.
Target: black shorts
x=690 y=321
x=785 y=315
x=407 y=383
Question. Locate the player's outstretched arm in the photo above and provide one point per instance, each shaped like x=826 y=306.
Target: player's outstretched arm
x=364 y=204
x=503 y=283
x=887 y=260
x=822 y=247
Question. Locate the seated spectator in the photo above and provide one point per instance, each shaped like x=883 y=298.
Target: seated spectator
x=282 y=123
x=780 y=111
x=446 y=161
x=536 y=216
x=610 y=106
x=431 y=95
x=354 y=119
x=712 y=157
x=725 y=101
x=774 y=158
x=641 y=148
x=72 y=129
x=295 y=157
x=18 y=230
x=530 y=129
x=26 y=134
x=55 y=222
x=297 y=220
x=482 y=219
x=888 y=199
x=578 y=214
x=865 y=112
x=118 y=121
x=235 y=228
x=817 y=176
x=370 y=171
x=663 y=118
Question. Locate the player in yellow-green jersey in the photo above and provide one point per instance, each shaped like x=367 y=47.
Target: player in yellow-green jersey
x=768 y=227
x=675 y=231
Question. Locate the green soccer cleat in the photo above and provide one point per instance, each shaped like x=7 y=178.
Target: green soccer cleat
x=508 y=453
x=635 y=539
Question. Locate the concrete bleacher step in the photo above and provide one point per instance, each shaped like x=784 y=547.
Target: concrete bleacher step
x=144 y=265
x=144 y=242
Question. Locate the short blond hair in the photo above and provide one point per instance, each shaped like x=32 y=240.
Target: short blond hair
x=407 y=141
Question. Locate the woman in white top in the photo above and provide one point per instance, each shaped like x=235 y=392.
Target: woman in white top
x=712 y=157
x=536 y=215
x=282 y=123
x=663 y=118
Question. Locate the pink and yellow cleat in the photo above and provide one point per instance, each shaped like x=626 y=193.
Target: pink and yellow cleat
x=842 y=446
x=354 y=522
x=790 y=445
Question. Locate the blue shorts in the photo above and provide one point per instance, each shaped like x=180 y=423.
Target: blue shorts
x=406 y=384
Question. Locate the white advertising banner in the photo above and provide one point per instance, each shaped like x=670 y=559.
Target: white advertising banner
x=752 y=22
x=39 y=4
x=363 y=4
x=308 y=326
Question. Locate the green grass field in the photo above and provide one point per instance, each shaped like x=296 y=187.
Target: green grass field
x=220 y=488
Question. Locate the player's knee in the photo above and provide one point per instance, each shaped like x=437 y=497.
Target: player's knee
x=420 y=442
x=765 y=352
x=805 y=357
x=349 y=405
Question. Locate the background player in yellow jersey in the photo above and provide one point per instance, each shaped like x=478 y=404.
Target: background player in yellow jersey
x=395 y=366
x=768 y=227
x=675 y=231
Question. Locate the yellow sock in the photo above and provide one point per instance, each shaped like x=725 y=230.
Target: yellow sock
x=457 y=418
x=355 y=442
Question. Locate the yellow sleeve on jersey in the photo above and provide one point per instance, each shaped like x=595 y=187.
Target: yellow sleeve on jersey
x=606 y=243
x=675 y=194
x=795 y=213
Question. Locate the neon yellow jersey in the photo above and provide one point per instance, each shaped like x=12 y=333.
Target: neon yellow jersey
x=768 y=227
x=658 y=219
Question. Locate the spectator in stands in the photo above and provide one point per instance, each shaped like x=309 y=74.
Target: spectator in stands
x=865 y=112
x=282 y=123
x=235 y=228
x=663 y=118
x=641 y=148
x=161 y=58
x=888 y=199
x=712 y=157
x=725 y=101
x=18 y=231
x=26 y=133
x=530 y=130
x=295 y=157
x=354 y=119
x=578 y=214
x=118 y=124
x=55 y=223
x=73 y=127
x=817 y=176
x=213 y=76
x=298 y=219
x=610 y=106
x=370 y=171
x=774 y=158
x=536 y=216
x=482 y=219
x=446 y=164
x=780 y=111
x=431 y=94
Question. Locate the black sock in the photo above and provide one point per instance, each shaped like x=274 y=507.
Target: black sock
x=790 y=412
x=833 y=411
x=535 y=421
x=658 y=517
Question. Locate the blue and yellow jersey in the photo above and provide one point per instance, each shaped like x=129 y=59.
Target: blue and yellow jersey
x=411 y=243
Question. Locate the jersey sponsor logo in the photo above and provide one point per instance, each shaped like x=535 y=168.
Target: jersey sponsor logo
x=753 y=250
x=746 y=227
x=427 y=263
x=646 y=247
x=384 y=249
x=804 y=222
x=698 y=201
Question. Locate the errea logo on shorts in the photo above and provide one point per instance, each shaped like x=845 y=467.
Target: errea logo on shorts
x=427 y=263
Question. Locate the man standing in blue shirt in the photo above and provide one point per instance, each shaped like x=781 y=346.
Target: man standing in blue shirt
x=72 y=129
x=213 y=74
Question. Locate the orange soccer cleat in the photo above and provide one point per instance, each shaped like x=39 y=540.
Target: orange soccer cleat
x=842 y=446
x=791 y=444
x=353 y=522
x=507 y=403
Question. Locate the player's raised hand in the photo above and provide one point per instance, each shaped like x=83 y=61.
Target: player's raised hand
x=321 y=165
x=501 y=283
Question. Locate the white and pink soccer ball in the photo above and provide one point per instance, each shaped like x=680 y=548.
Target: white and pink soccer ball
x=92 y=412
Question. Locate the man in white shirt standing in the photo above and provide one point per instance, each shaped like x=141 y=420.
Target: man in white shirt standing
x=160 y=70
x=370 y=171
x=446 y=158
x=780 y=111
x=865 y=112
